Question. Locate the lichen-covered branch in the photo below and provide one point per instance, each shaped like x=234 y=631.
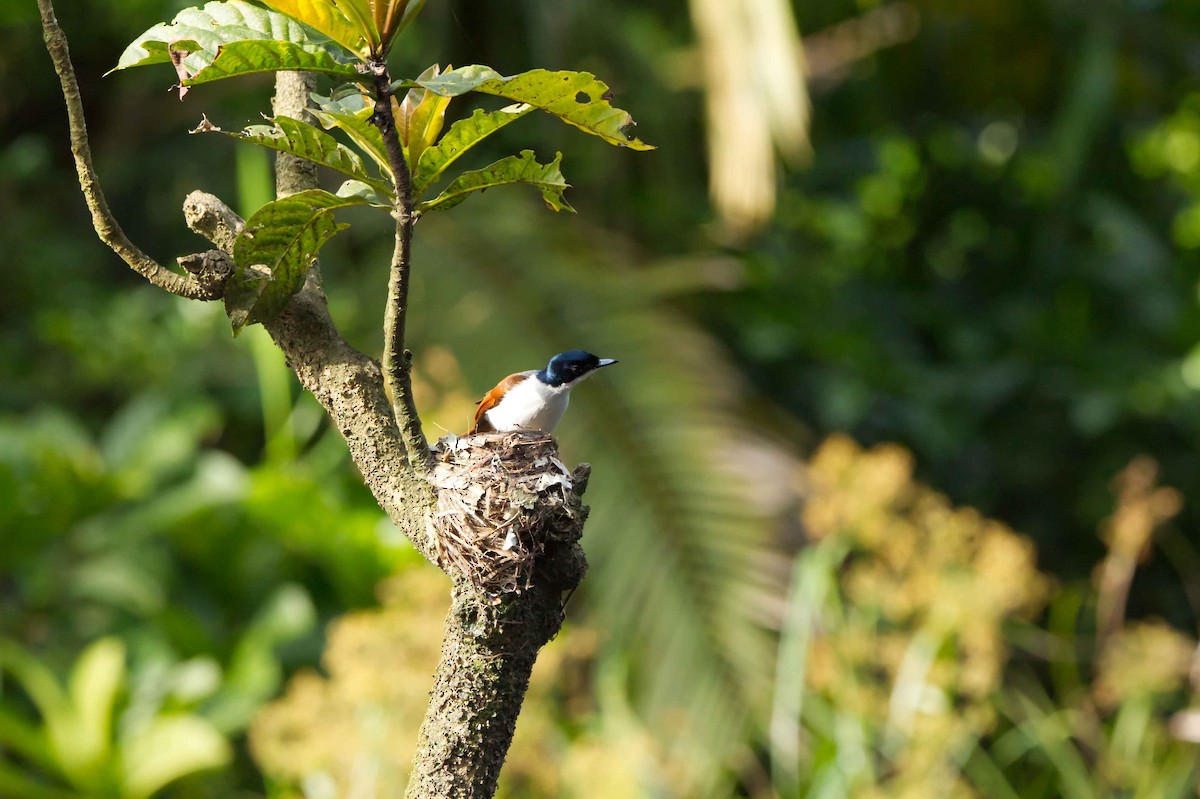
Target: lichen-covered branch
x=501 y=615
x=487 y=656
x=196 y=287
x=292 y=89
x=347 y=383
x=397 y=361
x=491 y=639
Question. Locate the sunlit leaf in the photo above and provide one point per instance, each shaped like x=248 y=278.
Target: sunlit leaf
x=35 y=680
x=576 y=98
x=95 y=681
x=169 y=748
x=459 y=81
x=330 y=19
x=419 y=119
x=523 y=168
x=351 y=113
x=201 y=33
x=462 y=136
x=253 y=56
x=273 y=252
x=311 y=143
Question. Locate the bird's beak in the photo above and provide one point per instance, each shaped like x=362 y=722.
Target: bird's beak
x=607 y=362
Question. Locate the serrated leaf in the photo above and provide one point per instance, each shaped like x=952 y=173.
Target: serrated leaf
x=310 y=143
x=577 y=98
x=327 y=17
x=273 y=252
x=462 y=136
x=523 y=168
x=201 y=32
x=252 y=56
x=351 y=113
x=419 y=118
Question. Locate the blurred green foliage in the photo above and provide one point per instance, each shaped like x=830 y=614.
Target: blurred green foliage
x=991 y=259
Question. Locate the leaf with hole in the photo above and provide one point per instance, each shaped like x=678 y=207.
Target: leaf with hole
x=523 y=168
x=577 y=98
x=273 y=252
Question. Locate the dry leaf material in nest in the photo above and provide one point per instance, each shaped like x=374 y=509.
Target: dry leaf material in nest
x=504 y=500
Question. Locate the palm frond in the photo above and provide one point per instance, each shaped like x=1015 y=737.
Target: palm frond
x=677 y=541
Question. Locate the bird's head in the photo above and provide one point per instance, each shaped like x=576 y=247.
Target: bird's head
x=568 y=368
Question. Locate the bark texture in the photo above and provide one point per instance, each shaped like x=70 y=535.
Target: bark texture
x=487 y=656
x=491 y=642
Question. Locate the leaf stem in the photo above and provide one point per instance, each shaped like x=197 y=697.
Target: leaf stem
x=206 y=287
x=397 y=361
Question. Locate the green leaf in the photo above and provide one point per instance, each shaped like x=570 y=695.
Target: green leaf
x=23 y=738
x=576 y=98
x=356 y=188
x=523 y=168
x=462 y=136
x=94 y=683
x=14 y=782
x=273 y=252
x=201 y=32
x=360 y=16
x=169 y=748
x=252 y=56
x=310 y=143
x=352 y=114
x=419 y=118
x=457 y=81
x=328 y=18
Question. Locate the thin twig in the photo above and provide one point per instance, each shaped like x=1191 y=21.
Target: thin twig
x=193 y=287
x=397 y=361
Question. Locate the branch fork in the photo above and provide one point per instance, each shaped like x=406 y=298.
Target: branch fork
x=491 y=640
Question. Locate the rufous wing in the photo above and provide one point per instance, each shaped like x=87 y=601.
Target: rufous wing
x=491 y=400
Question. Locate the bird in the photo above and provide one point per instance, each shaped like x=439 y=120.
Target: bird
x=536 y=399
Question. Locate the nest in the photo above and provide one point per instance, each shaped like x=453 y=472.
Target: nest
x=504 y=501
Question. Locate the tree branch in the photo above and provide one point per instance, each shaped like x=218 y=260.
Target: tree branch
x=491 y=641
x=292 y=89
x=397 y=361
x=487 y=656
x=347 y=383
x=202 y=286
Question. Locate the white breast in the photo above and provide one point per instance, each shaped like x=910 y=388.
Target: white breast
x=530 y=405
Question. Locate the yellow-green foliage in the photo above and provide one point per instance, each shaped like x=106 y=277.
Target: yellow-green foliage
x=352 y=733
x=908 y=645
x=909 y=664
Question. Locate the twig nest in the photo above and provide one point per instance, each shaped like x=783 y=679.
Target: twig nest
x=508 y=512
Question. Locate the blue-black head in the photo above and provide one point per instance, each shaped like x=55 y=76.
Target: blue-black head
x=571 y=367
